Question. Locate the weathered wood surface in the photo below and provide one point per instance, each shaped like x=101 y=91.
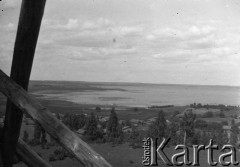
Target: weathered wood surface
x=27 y=155
x=27 y=34
x=69 y=140
x=30 y=157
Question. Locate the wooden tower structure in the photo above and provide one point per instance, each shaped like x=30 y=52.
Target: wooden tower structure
x=15 y=89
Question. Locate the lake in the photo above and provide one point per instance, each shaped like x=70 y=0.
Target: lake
x=137 y=94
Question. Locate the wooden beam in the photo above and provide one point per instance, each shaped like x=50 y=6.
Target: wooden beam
x=27 y=34
x=60 y=132
x=30 y=157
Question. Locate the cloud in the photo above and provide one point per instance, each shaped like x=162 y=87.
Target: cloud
x=181 y=33
x=97 y=24
x=200 y=31
x=201 y=38
x=10 y=4
x=89 y=40
x=9 y=27
x=71 y=24
x=102 y=39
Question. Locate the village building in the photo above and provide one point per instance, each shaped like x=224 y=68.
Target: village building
x=104 y=119
x=81 y=131
x=127 y=129
x=122 y=122
x=227 y=129
x=151 y=120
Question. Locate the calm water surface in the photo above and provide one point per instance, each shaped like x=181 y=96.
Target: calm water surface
x=151 y=94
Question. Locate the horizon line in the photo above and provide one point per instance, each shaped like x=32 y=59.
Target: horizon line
x=129 y=82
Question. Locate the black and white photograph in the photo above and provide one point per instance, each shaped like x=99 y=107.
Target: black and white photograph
x=119 y=83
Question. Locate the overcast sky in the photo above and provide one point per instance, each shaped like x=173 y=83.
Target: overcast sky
x=152 y=41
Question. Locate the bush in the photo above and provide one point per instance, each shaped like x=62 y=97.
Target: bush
x=100 y=140
x=135 y=139
x=34 y=142
x=68 y=154
x=59 y=154
x=52 y=142
x=116 y=141
x=175 y=113
x=224 y=123
x=98 y=109
x=207 y=114
x=51 y=158
x=47 y=145
x=221 y=114
x=201 y=124
x=196 y=139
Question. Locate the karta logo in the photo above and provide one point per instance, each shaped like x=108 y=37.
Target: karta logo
x=152 y=151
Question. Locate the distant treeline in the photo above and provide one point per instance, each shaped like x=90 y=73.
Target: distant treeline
x=213 y=106
x=164 y=106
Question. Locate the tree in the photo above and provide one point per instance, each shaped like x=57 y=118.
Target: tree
x=135 y=109
x=135 y=139
x=91 y=127
x=113 y=129
x=199 y=105
x=43 y=138
x=157 y=128
x=37 y=132
x=188 y=126
x=58 y=116
x=25 y=136
x=92 y=131
x=222 y=138
x=234 y=133
x=221 y=114
x=173 y=129
x=73 y=121
x=39 y=135
x=196 y=139
x=79 y=121
x=68 y=120
x=205 y=138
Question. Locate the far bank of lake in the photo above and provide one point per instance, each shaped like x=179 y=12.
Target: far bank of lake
x=135 y=94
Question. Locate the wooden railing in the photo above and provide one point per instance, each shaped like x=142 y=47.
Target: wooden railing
x=55 y=128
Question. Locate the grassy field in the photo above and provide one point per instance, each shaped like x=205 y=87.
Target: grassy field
x=124 y=156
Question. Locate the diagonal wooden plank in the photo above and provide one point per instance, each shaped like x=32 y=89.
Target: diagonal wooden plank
x=68 y=139
x=27 y=155
x=30 y=157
